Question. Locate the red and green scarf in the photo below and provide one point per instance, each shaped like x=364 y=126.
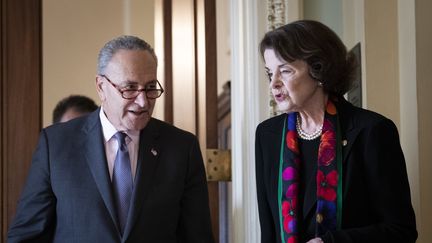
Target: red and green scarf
x=328 y=178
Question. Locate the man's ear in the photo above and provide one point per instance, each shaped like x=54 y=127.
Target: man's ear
x=100 y=87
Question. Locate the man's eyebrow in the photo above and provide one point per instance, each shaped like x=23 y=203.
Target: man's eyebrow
x=129 y=82
x=153 y=81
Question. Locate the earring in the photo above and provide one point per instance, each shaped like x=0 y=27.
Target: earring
x=320 y=83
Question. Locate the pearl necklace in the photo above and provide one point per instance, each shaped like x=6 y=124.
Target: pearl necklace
x=304 y=135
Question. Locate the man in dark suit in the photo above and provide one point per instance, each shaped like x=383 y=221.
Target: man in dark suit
x=116 y=175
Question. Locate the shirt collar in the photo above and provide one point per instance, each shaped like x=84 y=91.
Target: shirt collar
x=109 y=130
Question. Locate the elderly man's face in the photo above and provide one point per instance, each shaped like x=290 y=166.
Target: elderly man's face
x=127 y=68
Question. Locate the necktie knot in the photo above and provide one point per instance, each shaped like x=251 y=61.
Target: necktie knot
x=121 y=139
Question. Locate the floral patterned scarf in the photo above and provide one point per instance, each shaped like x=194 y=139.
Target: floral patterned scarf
x=328 y=178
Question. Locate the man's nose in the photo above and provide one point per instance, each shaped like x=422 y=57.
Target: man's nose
x=141 y=99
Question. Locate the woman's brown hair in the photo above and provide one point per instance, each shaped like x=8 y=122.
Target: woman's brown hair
x=320 y=47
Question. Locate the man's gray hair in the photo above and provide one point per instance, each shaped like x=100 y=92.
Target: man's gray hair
x=125 y=42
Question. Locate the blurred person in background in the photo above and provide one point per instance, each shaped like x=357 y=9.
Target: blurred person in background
x=72 y=107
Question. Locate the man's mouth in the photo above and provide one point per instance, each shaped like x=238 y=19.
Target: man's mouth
x=137 y=112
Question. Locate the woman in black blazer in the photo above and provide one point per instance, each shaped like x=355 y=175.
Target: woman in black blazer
x=326 y=170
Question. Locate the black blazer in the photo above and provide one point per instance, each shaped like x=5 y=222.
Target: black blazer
x=376 y=195
x=68 y=195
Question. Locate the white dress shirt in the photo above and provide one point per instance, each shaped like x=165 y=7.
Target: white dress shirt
x=111 y=145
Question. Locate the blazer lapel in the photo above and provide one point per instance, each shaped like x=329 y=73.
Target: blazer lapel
x=96 y=160
x=271 y=141
x=274 y=139
x=148 y=154
x=348 y=127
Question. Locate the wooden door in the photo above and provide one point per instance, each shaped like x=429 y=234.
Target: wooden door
x=20 y=102
x=211 y=105
x=211 y=134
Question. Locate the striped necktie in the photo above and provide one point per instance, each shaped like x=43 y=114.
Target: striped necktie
x=122 y=180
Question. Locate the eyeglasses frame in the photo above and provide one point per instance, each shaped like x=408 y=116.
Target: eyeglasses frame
x=139 y=90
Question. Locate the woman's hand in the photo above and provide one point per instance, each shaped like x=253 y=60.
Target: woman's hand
x=316 y=240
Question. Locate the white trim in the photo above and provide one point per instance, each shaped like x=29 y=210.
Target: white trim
x=127 y=17
x=158 y=111
x=201 y=84
x=408 y=97
x=183 y=65
x=353 y=33
x=360 y=35
x=248 y=101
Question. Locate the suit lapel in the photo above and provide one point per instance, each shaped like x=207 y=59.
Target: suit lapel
x=148 y=154
x=348 y=127
x=271 y=142
x=274 y=139
x=96 y=160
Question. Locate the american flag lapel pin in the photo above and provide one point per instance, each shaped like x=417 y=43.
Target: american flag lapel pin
x=154 y=152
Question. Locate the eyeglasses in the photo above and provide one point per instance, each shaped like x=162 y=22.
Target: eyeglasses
x=152 y=89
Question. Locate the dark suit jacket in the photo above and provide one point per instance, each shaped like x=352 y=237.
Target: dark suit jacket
x=68 y=195
x=376 y=195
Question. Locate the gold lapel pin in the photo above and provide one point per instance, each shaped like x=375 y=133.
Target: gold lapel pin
x=344 y=142
x=153 y=151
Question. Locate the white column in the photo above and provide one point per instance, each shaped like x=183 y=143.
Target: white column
x=158 y=111
x=249 y=99
x=183 y=64
x=408 y=98
x=201 y=69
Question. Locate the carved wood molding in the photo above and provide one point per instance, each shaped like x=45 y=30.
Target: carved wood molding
x=276 y=17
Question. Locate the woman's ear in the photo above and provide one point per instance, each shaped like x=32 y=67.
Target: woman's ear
x=315 y=70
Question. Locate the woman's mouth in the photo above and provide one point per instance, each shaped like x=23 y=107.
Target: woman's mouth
x=279 y=97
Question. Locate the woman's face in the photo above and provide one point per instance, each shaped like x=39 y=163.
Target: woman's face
x=290 y=82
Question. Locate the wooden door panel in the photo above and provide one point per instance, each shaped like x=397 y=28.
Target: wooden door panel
x=21 y=82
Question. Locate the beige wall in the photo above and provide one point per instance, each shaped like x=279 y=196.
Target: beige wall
x=73 y=33
x=381 y=49
x=424 y=88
